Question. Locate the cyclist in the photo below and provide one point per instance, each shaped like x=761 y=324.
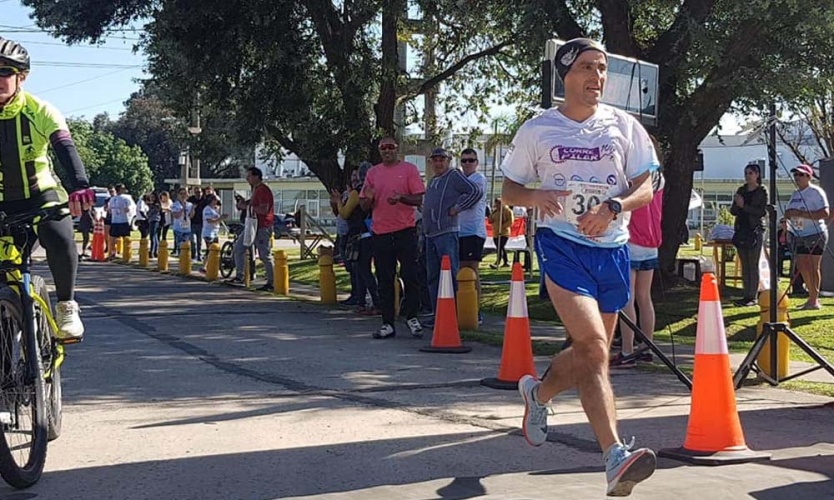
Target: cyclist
x=28 y=126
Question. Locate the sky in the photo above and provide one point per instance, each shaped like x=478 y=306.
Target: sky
x=84 y=80
x=80 y=80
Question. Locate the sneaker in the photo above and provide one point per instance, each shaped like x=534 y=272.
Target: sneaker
x=428 y=322
x=625 y=468
x=267 y=288
x=622 y=361
x=350 y=302
x=811 y=306
x=385 y=332
x=69 y=322
x=534 y=425
x=746 y=302
x=415 y=327
x=234 y=281
x=645 y=357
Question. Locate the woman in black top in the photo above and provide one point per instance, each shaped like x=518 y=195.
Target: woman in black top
x=749 y=205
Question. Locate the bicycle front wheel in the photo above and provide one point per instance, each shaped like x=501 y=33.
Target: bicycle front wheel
x=227 y=259
x=22 y=400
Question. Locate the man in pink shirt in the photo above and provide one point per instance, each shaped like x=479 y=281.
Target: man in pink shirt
x=392 y=190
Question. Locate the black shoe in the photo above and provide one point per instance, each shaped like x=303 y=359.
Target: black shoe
x=234 y=281
x=620 y=361
x=745 y=302
x=266 y=288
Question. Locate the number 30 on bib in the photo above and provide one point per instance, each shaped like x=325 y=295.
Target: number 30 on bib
x=583 y=196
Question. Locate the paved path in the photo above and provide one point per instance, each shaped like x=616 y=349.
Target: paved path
x=185 y=390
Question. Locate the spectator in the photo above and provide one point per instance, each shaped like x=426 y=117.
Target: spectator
x=358 y=249
x=391 y=191
x=154 y=219
x=196 y=216
x=472 y=226
x=501 y=220
x=448 y=194
x=111 y=192
x=749 y=205
x=806 y=214
x=338 y=200
x=181 y=211
x=119 y=207
x=85 y=227
x=167 y=219
x=262 y=205
x=645 y=237
x=211 y=221
x=141 y=220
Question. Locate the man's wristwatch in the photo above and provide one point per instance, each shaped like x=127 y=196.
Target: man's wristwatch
x=614 y=206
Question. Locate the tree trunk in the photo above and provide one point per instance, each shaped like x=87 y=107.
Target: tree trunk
x=328 y=172
x=387 y=102
x=678 y=170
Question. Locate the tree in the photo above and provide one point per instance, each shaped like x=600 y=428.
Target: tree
x=315 y=77
x=109 y=160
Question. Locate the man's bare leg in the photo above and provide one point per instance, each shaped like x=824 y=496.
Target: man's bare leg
x=585 y=363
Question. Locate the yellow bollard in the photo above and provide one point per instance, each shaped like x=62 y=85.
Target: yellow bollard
x=144 y=252
x=247 y=272
x=699 y=242
x=213 y=262
x=127 y=250
x=185 y=258
x=162 y=260
x=282 y=273
x=118 y=244
x=783 y=354
x=327 y=280
x=467 y=299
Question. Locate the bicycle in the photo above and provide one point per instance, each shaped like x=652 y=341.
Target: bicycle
x=227 y=253
x=30 y=386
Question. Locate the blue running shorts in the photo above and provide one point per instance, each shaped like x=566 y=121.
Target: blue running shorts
x=597 y=272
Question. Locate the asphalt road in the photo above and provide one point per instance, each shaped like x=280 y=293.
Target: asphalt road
x=184 y=390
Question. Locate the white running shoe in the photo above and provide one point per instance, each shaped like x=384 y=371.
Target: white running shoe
x=625 y=468
x=415 y=327
x=534 y=424
x=68 y=319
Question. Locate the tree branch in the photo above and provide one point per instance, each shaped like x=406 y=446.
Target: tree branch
x=454 y=68
x=617 y=26
x=675 y=42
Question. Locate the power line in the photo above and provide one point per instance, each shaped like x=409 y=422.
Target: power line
x=58 y=44
x=39 y=92
x=94 y=106
x=59 y=64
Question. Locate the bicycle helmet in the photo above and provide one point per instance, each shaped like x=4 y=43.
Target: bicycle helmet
x=13 y=54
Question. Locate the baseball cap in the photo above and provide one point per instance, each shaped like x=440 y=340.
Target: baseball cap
x=804 y=169
x=440 y=152
x=569 y=52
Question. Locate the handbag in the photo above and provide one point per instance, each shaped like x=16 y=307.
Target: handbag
x=250 y=228
x=352 y=248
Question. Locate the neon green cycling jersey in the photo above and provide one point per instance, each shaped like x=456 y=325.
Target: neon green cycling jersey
x=27 y=127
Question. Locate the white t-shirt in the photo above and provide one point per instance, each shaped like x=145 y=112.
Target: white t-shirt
x=603 y=153
x=210 y=228
x=120 y=208
x=183 y=224
x=812 y=198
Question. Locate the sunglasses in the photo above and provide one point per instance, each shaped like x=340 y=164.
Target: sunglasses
x=799 y=174
x=387 y=147
x=469 y=160
x=7 y=71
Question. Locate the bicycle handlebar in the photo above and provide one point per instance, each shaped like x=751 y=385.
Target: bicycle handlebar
x=8 y=221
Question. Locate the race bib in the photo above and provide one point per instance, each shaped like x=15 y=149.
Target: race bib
x=584 y=195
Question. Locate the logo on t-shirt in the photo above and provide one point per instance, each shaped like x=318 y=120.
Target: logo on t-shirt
x=611 y=180
x=561 y=154
x=559 y=180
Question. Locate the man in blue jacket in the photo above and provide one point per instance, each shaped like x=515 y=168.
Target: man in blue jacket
x=448 y=194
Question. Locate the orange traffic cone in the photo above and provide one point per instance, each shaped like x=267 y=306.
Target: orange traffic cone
x=97 y=253
x=714 y=435
x=446 y=336
x=517 y=356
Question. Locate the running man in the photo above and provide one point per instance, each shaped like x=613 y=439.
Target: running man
x=594 y=164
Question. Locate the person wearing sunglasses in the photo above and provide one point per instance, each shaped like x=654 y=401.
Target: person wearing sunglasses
x=392 y=191
x=28 y=127
x=806 y=213
x=472 y=226
x=593 y=165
